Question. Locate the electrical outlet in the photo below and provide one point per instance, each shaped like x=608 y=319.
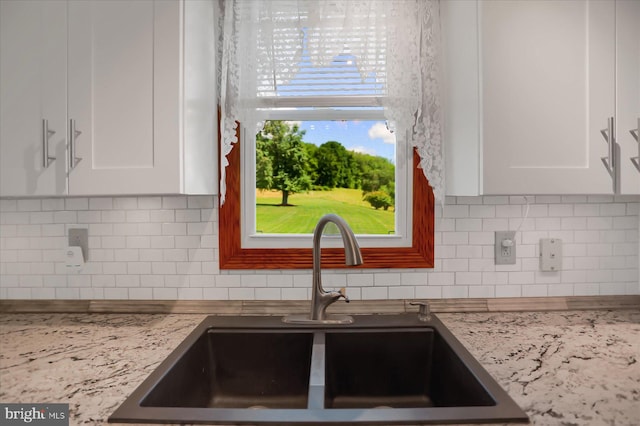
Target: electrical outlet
x=505 y=247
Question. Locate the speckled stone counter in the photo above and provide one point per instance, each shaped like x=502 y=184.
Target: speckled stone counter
x=562 y=368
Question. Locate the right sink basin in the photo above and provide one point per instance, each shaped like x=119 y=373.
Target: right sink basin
x=398 y=368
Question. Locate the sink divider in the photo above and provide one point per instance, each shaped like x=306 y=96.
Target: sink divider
x=317 y=372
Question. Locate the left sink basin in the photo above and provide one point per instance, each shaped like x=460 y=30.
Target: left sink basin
x=215 y=370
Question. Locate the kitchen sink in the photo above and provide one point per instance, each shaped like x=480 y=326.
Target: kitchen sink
x=384 y=369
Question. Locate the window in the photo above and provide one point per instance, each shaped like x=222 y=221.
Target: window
x=304 y=168
x=398 y=234
x=352 y=85
x=234 y=256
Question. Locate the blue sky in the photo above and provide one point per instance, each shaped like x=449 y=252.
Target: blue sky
x=369 y=137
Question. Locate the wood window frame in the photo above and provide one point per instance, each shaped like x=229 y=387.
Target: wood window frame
x=233 y=257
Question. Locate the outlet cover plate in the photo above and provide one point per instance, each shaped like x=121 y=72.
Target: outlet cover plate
x=550 y=254
x=79 y=237
x=505 y=252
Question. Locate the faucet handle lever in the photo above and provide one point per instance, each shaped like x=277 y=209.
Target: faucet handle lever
x=343 y=294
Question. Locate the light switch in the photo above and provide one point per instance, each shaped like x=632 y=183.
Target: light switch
x=550 y=254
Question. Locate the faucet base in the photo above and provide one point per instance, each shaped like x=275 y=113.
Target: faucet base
x=329 y=319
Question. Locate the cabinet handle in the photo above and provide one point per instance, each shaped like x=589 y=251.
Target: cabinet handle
x=609 y=161
x=73 y=134
x=46 y=134
x=635 y=133
x=607 y=134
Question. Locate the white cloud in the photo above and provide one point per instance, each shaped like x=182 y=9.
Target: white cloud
x=380 y=131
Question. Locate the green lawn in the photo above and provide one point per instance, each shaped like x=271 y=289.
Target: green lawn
x=307 y=208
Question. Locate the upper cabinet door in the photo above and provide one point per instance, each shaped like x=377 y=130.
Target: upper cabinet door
x=547 y=72
x=123 y=97
x=628 y=93
x=33 y=41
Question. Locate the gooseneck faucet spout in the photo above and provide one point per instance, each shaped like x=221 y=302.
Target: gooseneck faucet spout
x=321 y=299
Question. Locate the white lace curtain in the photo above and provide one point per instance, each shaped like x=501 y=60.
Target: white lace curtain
x=260 y=47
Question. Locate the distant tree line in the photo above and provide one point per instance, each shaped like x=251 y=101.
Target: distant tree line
x=286 y=163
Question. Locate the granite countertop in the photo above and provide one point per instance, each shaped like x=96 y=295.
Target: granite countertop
x=562 y=368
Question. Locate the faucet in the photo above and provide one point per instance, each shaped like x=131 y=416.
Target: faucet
x=321 y=299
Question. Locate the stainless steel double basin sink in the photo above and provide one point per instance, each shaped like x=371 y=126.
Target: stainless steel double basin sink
x=382 y=369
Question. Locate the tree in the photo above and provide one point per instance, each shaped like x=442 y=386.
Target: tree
x=379 y=199
x=281 y=159
x=335 y=166
x=376 y=173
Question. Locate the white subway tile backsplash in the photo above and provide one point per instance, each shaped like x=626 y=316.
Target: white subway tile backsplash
x=372 y=293
x=166 y=248
x=600 y=198
x=120 y=293
x=190 y=294
x=574 y=199
x=468 y=224
x=560 y=290
x=8 y=205
x=162 y=215
x=401 y=293
x=548 y=199
x=187 y=215
x=29 y=205
x=165 y=293
x=509 y=211
x=14 y=218
x=52 y=204
x=76 y=204
x=495 y=200
x=390 y=279
x=177 y=202
x=242 y=294
x=560 y=210
x=482 y=211
x=466 y=200
x=125 y=203
x=495 y=224
x=149 y=203
x=456 y=211
x=468 y=278
x=441 y=278
x=482 y=291
x=582 y=289
x=538 y=290
x=352 y=280
x=137 y=216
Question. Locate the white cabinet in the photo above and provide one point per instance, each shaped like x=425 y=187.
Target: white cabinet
x=33 y=85
x=548 y=89
x=137 y=103
x=459 y=22
x=628 y=93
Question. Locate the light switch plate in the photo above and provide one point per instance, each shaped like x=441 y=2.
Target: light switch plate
x=79 y=237
x=550 y=254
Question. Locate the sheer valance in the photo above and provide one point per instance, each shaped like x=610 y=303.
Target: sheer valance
x=275 y=49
